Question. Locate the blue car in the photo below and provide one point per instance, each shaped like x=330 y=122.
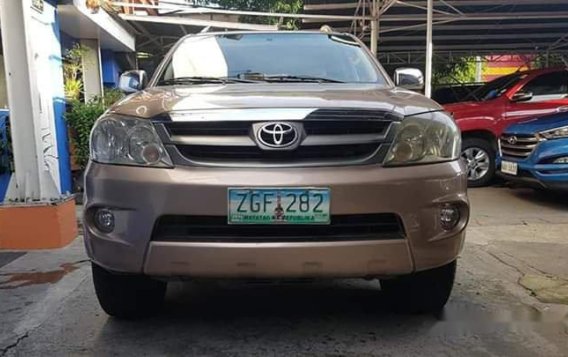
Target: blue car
x=535 y=152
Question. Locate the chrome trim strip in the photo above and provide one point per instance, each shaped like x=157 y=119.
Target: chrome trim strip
x=212 y=140
x=248 y=114
x=518 y=147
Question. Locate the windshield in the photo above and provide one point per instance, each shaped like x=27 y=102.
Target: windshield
x=497 y=87
x=273 y=57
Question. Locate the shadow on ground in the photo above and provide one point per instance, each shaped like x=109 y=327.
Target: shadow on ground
x=347 y=318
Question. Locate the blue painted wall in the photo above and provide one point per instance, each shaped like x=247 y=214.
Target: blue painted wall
x=59 y=108
x=110 y=68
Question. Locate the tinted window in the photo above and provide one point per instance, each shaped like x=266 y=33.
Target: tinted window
x=548 y=84
x=335 y=57
x=497 y=87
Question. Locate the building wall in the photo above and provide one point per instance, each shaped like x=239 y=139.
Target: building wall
x=498 y=66
x=3 y=91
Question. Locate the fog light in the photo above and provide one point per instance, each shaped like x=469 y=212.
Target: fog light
x=561 y=160
x=449 y=217
x=104 y=220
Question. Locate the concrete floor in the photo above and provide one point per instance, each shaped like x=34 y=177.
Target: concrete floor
x=48 y=306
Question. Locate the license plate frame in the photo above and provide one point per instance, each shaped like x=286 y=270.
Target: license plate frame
x=510 y=168
x=315 y=215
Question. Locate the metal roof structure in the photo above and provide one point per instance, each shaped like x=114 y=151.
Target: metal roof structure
x=475 y=27
x=459 y=26
x=398 y=31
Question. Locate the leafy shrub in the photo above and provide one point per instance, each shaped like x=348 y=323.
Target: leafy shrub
x=81 y=119
x=72 y=72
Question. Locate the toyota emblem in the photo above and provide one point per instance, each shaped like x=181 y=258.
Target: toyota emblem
x=512 y=140
x=278 y=135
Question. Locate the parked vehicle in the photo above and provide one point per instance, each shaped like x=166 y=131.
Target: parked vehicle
x=500 y=103
x=273 y=155
x=535 y=152
x=453 y=93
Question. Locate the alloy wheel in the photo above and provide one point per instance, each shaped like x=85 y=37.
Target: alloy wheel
x=477 y=161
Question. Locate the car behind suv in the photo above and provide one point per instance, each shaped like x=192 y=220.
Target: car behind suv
x=273 y=155
x=535 y=152
x=500 y=103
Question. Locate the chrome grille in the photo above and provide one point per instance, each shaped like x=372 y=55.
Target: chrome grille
x=518 y=146
x=329 y=137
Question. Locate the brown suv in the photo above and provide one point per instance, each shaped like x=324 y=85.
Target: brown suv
x=273 y=155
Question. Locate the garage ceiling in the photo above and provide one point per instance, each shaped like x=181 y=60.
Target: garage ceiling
x=477 y=26
x=461 y=27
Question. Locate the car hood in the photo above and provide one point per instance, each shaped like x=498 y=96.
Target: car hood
x=463 y=109
x=157 y=101
x=536 y=125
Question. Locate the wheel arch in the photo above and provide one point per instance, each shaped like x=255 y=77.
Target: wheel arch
x=482 y=134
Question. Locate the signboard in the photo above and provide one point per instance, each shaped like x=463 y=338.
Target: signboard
x=38 y=5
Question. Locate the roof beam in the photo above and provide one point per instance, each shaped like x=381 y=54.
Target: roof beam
x=189 y=9
x=198 y=22
x=466 y=37
x=496 y=47
x=449 y=3
x=460 y=3
x=444 y=26
x=494 y=16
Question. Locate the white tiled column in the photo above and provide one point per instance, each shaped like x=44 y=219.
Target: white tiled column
x=92 y=70
x=31 y=109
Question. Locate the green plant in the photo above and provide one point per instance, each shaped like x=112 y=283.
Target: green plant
x=81 y=119
x=73 y=88
x=72 y=70
x=460 y=70
x=282 y=6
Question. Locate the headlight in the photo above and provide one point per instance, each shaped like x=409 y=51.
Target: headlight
x=557 y=133
x=427 y=138
x=127 y=141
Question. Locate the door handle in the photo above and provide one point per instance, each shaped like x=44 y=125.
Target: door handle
x=562 y=109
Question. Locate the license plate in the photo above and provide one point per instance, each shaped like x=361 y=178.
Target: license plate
x=510 y=168
x=279 y=206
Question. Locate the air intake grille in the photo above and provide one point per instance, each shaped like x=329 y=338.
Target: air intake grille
x=518 y=146
x=215 y=229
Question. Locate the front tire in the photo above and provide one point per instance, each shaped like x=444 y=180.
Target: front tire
x=127 y=296
x=423 y=292
x=479 y=157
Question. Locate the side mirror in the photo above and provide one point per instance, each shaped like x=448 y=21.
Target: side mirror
x=409 y=78
x=522 y=97
x=133 y=81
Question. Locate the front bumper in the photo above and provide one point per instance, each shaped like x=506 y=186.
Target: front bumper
x=139 y=196
x=537 y=170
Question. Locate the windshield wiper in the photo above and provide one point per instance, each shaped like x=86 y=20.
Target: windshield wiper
x=203 y=80
x=298 y=78
x=257 y=76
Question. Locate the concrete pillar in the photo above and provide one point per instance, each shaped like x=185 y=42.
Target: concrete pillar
x=375 y=27
x=30 y=182
x=478 y=69
x=92 y=69
x=3 y=92
x=34 y=214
